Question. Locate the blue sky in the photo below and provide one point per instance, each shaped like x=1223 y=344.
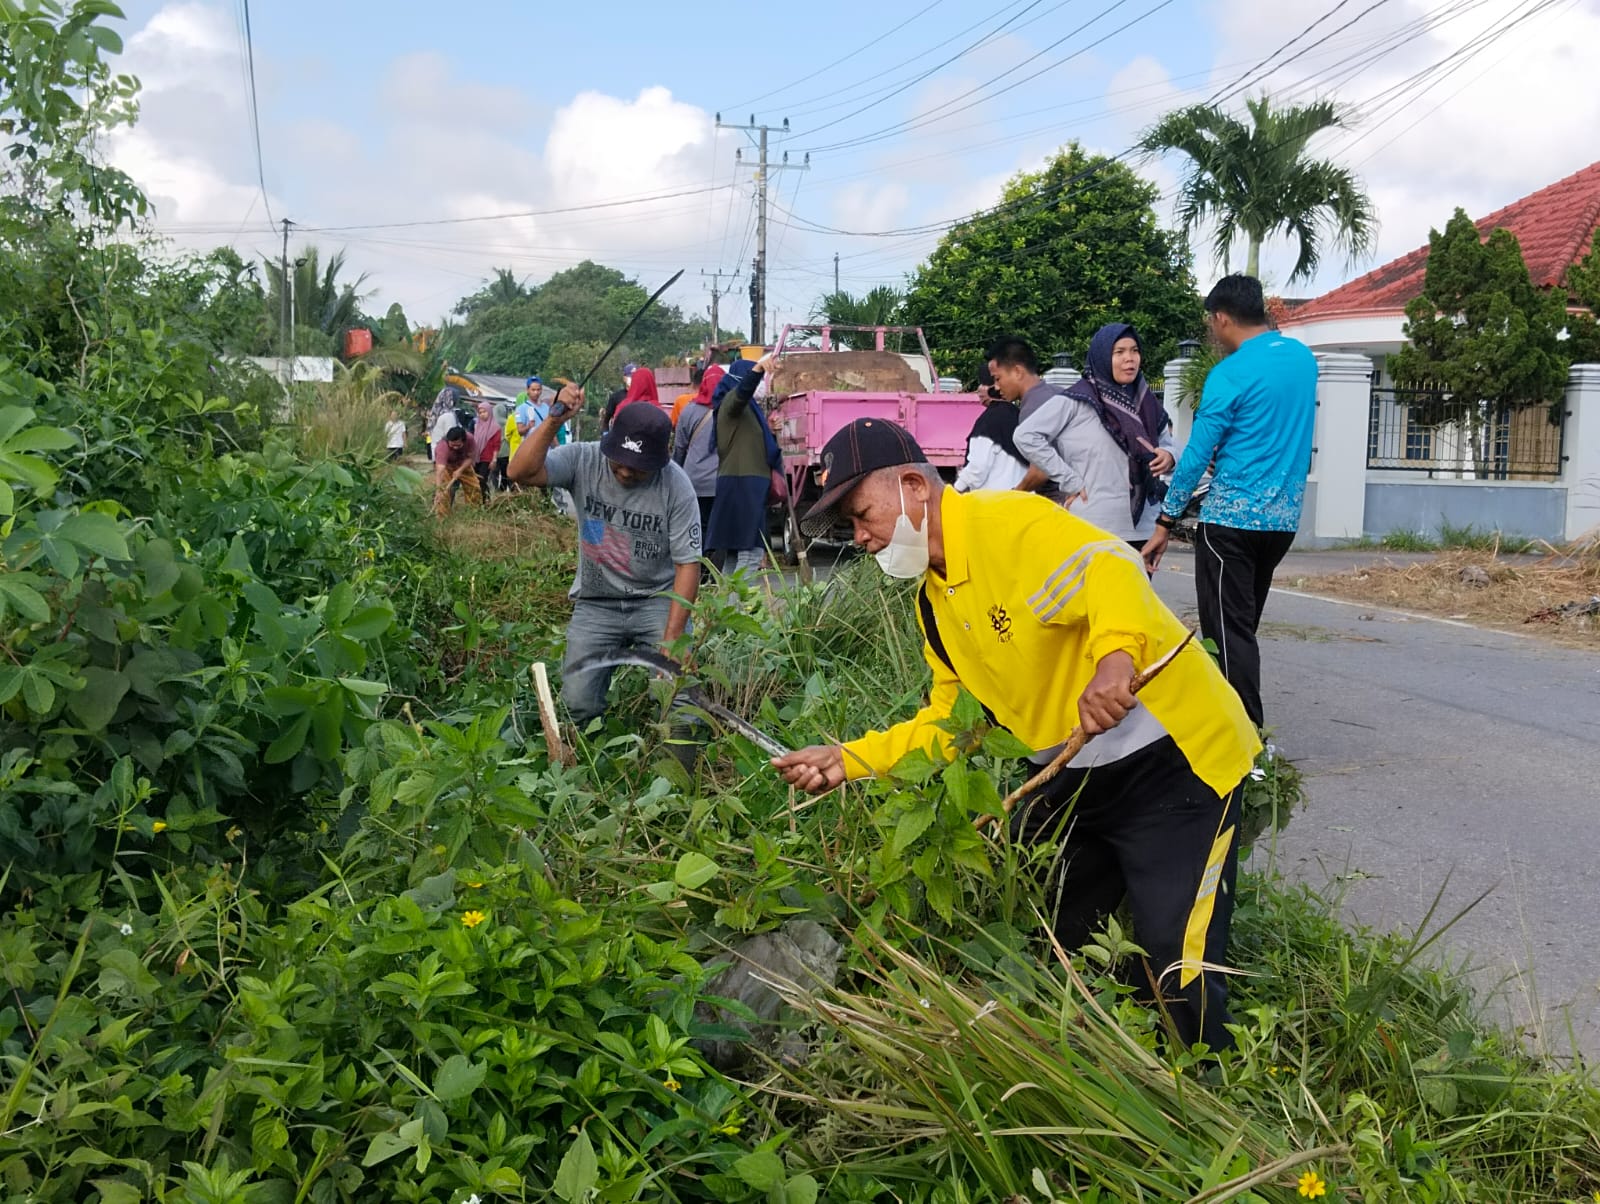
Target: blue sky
x=402 y=112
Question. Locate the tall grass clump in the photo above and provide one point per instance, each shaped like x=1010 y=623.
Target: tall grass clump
x=344 y=419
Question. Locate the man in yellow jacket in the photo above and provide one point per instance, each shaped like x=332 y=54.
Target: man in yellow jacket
x=1045 y=620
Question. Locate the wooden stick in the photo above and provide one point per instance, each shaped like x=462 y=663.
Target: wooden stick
x=560 y=754
x=1076 y=739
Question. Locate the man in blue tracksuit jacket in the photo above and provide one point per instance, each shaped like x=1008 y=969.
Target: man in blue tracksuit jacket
x=1255 y=422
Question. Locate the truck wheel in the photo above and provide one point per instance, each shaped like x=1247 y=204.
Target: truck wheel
x=786 y=549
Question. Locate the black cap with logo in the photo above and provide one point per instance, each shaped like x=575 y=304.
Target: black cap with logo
x=640 y=436
x=863 y=447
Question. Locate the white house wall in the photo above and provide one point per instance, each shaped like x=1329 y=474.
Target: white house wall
x=1372 y=336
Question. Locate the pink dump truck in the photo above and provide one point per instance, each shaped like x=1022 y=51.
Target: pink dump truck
x=827 y=376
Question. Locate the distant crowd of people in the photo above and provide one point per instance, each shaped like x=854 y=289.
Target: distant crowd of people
x=718 y=434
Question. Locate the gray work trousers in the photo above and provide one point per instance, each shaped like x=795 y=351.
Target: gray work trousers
x=609 y=626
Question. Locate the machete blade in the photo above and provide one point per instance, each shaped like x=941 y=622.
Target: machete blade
x=664 y=666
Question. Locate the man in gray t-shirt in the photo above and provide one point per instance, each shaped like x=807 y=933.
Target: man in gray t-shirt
x=638 y=537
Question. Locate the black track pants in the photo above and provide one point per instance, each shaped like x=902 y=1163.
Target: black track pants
x=1148 y=828
x=1232 y=577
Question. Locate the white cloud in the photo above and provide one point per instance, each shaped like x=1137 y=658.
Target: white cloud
x=438 y=142
x=191 y=149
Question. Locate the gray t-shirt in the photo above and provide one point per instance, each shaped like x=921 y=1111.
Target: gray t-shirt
x=629 y=539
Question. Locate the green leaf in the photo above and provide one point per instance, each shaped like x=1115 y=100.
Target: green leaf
x=1439 y=1094
x=802 y=1189
x=385 y=1146
x=238 y=558
x=41 y=438
x=28 y=602
x=289 y=742
x=341 y=601
x=956 y=783
x=97 y=533
x=12 y=420
x=37 y=691
x=161 y=568
x=97 y=702
x=762 y=1170
x=369 y=622
x=1003 y=746
x=115 y=1191
x=913 y=823
x=367 y=689
x=694 y=870
x=457 y=1078
x=941 y=889
x=122 y=973
x=38 y=475
x=437 y=893
x=579 y=1171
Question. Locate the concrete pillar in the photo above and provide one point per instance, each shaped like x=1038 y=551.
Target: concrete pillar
x=1177 y=404
x=1581 y=449
x=1339 y=462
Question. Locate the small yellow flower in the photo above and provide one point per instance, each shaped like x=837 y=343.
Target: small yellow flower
x=475 y=885
x=1312 y=1186
x=672 y=1084
x=234 y=833
x=159 y=826
x=472 y=919
x=731 y=1129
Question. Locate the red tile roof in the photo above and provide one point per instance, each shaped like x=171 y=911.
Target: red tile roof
x=1554 y=226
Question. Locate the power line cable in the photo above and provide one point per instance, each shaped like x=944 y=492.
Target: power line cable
x=820 y=71
x=255 y=112
x=935 y=69
x=849 y=94
x=937 y=116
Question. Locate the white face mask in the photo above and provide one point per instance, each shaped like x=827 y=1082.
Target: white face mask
x=906 y=554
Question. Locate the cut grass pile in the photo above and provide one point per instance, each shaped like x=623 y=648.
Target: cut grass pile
x=1484 y=587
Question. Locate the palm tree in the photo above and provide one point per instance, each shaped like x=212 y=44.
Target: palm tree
x=880 y=307
x=1257 y=180
x=320 y=302
x=504 y=289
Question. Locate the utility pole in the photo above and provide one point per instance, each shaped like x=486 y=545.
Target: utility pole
x=283 y=291
x=836 y=272
x=758 y=267
x=716 y=295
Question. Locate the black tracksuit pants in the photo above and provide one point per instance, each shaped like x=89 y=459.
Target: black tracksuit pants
x=1148 y=828
x=1232 y=577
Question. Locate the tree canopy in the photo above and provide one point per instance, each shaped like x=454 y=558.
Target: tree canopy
x=1257 y=180
x=511 y=327
x=1071 y=247
x=1481 y=329
x=878 y=307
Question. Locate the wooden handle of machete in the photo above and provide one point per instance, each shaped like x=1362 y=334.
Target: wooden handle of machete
x=1075 y=741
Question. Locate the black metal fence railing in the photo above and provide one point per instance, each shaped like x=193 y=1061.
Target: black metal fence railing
x=1434 y=432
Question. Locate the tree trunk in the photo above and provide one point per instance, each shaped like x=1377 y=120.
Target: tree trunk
x=1252 y=263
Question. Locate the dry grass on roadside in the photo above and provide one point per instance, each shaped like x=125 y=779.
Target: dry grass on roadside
x=1481 y=587
x=513 y=527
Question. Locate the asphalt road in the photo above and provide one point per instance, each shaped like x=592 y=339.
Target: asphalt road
x=1443 y=756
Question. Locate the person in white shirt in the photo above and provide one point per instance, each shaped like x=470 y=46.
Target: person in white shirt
x=993 y=461
x=1107 y=441
x=394 y=432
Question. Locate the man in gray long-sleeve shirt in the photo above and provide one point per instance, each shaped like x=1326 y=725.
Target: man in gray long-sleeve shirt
x=1015 y=368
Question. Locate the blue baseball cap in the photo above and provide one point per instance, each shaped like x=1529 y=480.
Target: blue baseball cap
x=532 y=380
x=629 y=368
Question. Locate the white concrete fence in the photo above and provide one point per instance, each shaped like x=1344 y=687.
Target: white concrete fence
x=1345 y=500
